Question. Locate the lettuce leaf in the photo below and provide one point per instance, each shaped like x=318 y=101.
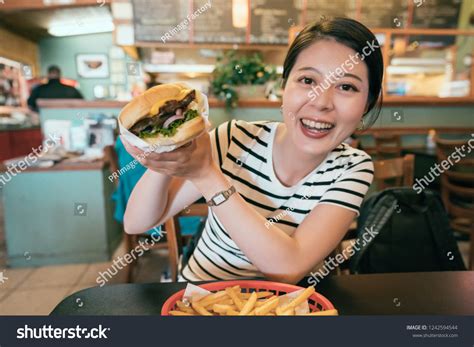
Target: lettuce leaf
x=172 y=128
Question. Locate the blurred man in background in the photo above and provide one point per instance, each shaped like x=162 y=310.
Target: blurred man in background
x=54 y=89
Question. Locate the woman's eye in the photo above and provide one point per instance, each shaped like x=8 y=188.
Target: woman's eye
x=307 y=80
x=348 y=87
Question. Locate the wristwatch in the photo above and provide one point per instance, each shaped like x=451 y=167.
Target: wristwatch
x=221 y=197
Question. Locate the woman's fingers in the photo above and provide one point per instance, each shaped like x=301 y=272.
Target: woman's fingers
x=134 y=151
x=185 y=161
x=143 y=157
x=153 y=156
x=178 y=154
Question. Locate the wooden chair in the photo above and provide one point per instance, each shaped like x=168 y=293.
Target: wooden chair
x=457 y=189
x=458 y=197
x=397 y=172
x=175 y=240
x=387 y=146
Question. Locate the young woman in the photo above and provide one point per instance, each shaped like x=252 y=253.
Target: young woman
x=297 y=186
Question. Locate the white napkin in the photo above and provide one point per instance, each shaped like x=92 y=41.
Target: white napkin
x=286 y=299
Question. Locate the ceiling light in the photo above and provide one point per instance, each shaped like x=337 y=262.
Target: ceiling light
x=240 y=13
x=80 y=27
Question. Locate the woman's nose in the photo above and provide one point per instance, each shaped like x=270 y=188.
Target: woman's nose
x=323 y=96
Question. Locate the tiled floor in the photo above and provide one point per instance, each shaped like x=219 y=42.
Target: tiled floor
x=36 y=291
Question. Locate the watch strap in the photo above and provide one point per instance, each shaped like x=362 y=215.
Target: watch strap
x=221 y=196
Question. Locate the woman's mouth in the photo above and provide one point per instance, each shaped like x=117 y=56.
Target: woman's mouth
x=314 y=129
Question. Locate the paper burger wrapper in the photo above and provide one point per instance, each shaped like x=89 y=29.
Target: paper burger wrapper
x=145 y=146
x=193 y=293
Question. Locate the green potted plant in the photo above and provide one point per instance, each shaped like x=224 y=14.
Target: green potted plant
x=243 y=76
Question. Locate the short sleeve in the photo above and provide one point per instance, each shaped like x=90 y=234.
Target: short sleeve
x=351 y=186
x=220 y=138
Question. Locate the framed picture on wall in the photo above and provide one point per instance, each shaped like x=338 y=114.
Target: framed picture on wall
x=92 y=65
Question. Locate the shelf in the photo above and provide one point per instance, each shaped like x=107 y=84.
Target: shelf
x=10 y=109
x=79 y=103
x=416 y=130
x=426 y=100
x=187 y=68
x=210 y=45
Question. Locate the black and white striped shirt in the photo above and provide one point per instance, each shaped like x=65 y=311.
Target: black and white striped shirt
x=244 y=153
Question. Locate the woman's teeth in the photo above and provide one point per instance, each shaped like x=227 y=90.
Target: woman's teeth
x=313 y=125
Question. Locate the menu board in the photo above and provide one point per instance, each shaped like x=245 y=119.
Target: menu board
x=161 y=21
x=317 y=10
x=270 y=20
x=211 y=21
x=214 y=23
x=436 y=14
x=384 y=13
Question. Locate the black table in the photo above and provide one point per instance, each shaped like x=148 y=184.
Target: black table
x=422 y=293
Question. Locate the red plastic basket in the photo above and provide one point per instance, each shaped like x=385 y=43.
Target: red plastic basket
x=316 y=302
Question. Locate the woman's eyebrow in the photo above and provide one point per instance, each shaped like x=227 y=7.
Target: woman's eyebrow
x=305 y=68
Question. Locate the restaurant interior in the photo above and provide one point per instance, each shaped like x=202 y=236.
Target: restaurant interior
x=66 y=178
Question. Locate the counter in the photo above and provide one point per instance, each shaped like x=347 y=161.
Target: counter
x=59 y=215
x=18 y=140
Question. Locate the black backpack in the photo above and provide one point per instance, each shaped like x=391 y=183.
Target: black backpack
x=402 y=231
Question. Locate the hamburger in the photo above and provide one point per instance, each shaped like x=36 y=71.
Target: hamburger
x=165 y=115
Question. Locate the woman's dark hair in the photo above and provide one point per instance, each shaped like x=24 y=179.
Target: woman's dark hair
x=354 y=35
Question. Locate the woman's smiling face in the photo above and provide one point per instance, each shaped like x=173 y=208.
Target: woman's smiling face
x=319 y=118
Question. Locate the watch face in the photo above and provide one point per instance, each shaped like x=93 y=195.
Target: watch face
x=218 y=199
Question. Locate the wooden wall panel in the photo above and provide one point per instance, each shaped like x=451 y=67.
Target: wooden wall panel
x=15 y=47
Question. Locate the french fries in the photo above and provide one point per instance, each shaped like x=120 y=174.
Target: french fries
x=233 y=302
x=249 y=305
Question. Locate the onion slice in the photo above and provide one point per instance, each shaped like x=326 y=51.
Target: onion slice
x=178 y=115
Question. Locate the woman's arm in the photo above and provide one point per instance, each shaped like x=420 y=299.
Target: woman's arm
x=165 y=188
x=156 y=196
x=277 y=255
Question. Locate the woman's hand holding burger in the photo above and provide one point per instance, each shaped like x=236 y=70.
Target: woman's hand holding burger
x=190 y=161
x=171 y=115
